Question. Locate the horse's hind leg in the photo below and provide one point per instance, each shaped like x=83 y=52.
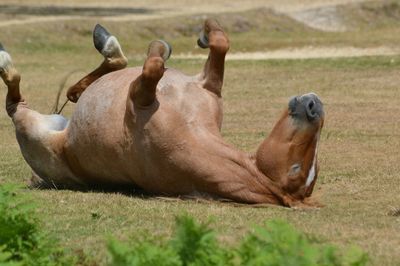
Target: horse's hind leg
x=11 y=78
x=143 y=90
x=212 y=77
x=114 y=59
x=40 y=137
x=214 y=37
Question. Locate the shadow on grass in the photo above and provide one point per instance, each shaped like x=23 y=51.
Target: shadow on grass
x=137 y=192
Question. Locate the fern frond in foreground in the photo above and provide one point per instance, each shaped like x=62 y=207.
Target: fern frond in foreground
x=21 y=240
x=275 y=243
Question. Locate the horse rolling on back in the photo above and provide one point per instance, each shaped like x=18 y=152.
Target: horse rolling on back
x=159 y=129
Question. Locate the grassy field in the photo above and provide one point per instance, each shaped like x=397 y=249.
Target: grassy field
x=359 y=152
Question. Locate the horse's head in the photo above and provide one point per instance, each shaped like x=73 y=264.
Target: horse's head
x=289 y=155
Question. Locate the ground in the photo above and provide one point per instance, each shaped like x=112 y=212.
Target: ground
x=353 y=64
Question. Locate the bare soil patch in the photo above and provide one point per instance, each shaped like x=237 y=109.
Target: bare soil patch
x=302 y=53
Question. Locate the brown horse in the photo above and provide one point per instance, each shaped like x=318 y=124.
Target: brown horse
x=159 y=129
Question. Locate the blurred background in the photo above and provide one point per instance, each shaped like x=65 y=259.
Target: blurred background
x=347 y=51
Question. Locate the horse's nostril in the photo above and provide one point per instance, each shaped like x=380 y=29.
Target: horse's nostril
x=311 y=109
x=306 y=106
x=311 y=105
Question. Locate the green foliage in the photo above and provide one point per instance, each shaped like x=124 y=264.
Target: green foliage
x=196 y=244
x=355 y=257
x=142 y=253
x=5 y=258
x=18 y=225
x=192 y=244
x=277 y=243
x=21 y=240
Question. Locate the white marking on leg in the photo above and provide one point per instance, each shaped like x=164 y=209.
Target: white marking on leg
x=311 y=173
x=167 y=52
x=5 y=61
x=112 y=48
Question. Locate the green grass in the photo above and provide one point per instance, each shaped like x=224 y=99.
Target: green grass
x=359 y=175
x=22 y=240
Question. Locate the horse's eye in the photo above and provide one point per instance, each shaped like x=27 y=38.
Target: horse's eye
x=295 y=169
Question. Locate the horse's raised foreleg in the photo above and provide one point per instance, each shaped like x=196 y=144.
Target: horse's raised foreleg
x=143 y=90
x=41 y=137
x=214 y=37
x=114 y=59
x=11 y=78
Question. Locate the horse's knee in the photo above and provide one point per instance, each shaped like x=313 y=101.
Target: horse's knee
x=218 y=42
x=143 y=89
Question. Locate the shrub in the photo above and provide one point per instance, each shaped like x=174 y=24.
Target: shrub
x=192 y=244
x=142 y=253
x=21 y=240
x=276 y=243
x=18 y=225
x=196 y=244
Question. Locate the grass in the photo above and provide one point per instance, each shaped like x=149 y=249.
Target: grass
x=359 y=177
x=24 y=241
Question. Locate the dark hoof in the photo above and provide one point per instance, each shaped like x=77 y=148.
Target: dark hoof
x=202 y=42
x=168 y=50
x=160 y=48
x=1 y=47
x=100 y=37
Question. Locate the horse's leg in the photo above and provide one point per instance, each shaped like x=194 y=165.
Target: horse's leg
x=212 y=77
x=142 y=91
x=214 y=37
x=11 y=78
x=114 y=59
x=40 y=137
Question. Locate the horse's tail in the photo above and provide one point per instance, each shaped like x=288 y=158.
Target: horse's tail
x=55 y=109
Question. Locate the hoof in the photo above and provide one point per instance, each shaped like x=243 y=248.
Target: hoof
x=202 y=42
x=167 y=51
x=1 y=47
x=160 y=48
x=107 y=44
x=5 y=60
x=100 y=37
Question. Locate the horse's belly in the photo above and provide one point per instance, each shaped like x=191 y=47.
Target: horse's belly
x=98 y=148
